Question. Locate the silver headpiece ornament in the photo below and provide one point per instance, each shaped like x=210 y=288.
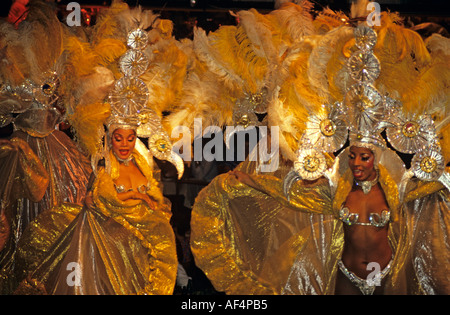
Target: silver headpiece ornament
x=129 y=104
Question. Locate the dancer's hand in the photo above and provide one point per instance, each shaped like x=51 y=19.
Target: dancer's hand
x=144 y=197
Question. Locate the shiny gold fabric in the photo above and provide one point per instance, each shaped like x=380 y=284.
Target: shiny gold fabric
x=121 y=247
x=23 y=174
x=250 y=241
x=50 y=171
x=247 y=241
x=23 y=178
x=424 y=246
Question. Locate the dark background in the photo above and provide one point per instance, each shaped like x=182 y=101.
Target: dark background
x=210 y=14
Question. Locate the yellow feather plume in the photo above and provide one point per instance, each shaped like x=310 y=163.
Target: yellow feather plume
x=87 y=122
x=405 y=64
x=292 y=22
x=295 y=102
x=165 y=76
x=444 y=142
x=109 y=50
x=107 y=25
x=202 y=98
x=82 y=58
x=328 y=19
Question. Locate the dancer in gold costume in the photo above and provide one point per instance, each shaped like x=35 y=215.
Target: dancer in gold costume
x=121 y=240
x=40 y=166
x=321 y=224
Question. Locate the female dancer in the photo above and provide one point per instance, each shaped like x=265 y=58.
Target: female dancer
x=124 y=228
x=349 y=224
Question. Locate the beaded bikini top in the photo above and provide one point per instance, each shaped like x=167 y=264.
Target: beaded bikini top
x=375 y=219
x=141 y=189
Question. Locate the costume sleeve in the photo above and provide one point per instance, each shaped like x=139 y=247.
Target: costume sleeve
x=419 y=189
x=246 y=241
x=23 y=174
x=427 y=216
x=311 y=197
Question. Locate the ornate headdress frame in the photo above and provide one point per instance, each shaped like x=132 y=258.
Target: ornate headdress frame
x=129 y=104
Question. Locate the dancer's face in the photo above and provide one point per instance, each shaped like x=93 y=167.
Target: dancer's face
x=361 y=162
x=123 y=141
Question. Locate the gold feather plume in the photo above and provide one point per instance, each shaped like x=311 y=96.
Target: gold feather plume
x=35 y=47
x=403 y=57
x=165 y=75
x=82 y=58
x=327 y=64
x=439 y=48
x=96 y=65
x=256 y=38
x=219 y=76
x=292 y=22
x=327 y=19
x=107 y=25
x=88 y=122
x=439 y=106
x=297 y=99
x=203 y=99
x=218 y=52
x=243 y=59
x=203 y=95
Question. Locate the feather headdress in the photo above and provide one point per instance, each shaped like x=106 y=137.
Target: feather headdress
x=375 y=79
x=33 y=74
x=237 y=68
x=132 y=59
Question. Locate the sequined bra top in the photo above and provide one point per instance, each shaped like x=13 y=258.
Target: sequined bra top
x=141 y=189
x=375 y=219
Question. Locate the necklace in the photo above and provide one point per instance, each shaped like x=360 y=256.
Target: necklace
x=124 y=161
x=367 y=185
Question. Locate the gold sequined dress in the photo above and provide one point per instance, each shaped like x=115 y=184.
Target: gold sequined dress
x=40 y=168
x=120 y=247
x=250 y=241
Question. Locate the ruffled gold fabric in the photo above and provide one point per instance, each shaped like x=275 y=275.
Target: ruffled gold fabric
x=24 y=176
x=425 y=246
x=31 y=179
x=255 y=241
x=57 y=172
x=247 y=241
x=120 y=247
